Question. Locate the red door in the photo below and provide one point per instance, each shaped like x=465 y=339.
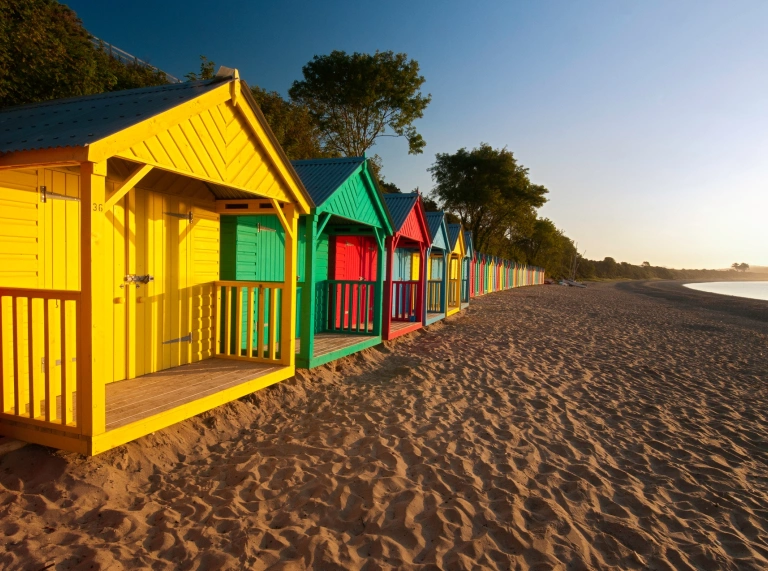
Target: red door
x=354 y=259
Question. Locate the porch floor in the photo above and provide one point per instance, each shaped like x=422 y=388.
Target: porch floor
x=398 y=325
x=145 y=396
x=329 y=342
x=434 y=317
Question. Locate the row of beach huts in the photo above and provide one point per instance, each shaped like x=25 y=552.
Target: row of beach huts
x=161 y=256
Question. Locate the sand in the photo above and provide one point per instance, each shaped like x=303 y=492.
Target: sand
x=615 y=427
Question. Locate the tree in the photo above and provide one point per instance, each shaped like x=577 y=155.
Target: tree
x=646 y=264
x=389 y=187
x=489 y=191
x=207 y=70
x=740 y=267
x=45 y=53
x=358 y=98
x=292 y=124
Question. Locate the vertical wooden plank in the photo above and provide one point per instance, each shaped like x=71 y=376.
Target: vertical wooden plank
x=239 y=321
x=31 y=359
x=2 y=358
x=260 y=321
x=16 y=356
x=47 y=361
x=228 y=323
x=129 y=254
x=273 y=323
x=333 y=291
x=249 y=316
x=217 y=337
x=63 y=353
x=109 y=308
x=368 y=290
x=344 y=304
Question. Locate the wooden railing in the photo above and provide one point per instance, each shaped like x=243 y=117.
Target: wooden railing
x=454 y=292
x=351 y=306
x=435 y=296
x=248 y=315
x=404 y=301
x=38 y=356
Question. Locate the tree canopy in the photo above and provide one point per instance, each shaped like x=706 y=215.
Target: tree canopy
x=359 y=98
x=45 y=53
x=489 y=191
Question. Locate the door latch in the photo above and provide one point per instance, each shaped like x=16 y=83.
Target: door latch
x=137 y=279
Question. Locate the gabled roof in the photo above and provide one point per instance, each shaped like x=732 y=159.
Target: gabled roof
x=79 y=121
x=434 y=219
x=453 y=234
x=400 y=206
x=322 y=177
x=468 y=242
x=437 y=229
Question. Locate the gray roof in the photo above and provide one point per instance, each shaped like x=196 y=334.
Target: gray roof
x=322 y=177
x=400 y=206
x=79 y=121
x=434 y=220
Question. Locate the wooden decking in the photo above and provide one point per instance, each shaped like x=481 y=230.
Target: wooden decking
x=398 y=325
x=434 y=317
x=326 y=343
x=142 y=397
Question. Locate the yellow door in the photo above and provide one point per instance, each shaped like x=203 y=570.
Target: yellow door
x=163 y=269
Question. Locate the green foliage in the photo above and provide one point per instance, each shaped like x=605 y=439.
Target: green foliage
x=292 y=124
x=389 y=187
x=490 y=193
x=207 y=70
x=45 y=53
x=358 y=98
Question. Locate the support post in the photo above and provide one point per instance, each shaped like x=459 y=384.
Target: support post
x=391 y=243
x=91 y=401
x=378 y=305
x=425 y=288
x=289 y=219
x=308 y=300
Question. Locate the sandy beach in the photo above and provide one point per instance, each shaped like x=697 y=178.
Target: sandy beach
x=623 y=426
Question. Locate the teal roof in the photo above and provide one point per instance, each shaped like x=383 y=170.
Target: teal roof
x=437 y=230
x=468 y=243
x=322 y=177
x=400 y=206
x=80 y=121
x=453 y=234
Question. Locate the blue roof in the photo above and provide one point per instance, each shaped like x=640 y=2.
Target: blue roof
x=322 y=177
x=434 y=220
x=79 y=121
x=468 y=242
x=400 y=206
x=453 y=234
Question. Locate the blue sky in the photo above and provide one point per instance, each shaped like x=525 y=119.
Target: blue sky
x=646 y=120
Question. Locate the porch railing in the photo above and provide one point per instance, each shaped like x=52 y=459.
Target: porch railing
x=38 y=356
x=351 y=306
x=454 y=291
x=404 y=301
x=435 y=296
x=248 y=315
x=465 y=290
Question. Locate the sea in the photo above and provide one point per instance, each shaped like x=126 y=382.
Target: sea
x=751 y=290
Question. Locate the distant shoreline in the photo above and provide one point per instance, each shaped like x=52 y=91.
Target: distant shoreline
x=675 y=292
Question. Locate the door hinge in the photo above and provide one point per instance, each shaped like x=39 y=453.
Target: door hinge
x=187 y=216
x=136 y=279
x=187 y=338
x=45 y=195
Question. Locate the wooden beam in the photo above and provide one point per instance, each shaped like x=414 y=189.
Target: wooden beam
x=323 y=223
x=133 y=179
x=281 y=216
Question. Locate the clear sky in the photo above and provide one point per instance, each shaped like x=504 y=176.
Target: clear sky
x=647 y=121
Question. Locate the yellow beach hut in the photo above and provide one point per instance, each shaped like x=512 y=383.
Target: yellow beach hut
x=111 y=319
x=455 y=266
